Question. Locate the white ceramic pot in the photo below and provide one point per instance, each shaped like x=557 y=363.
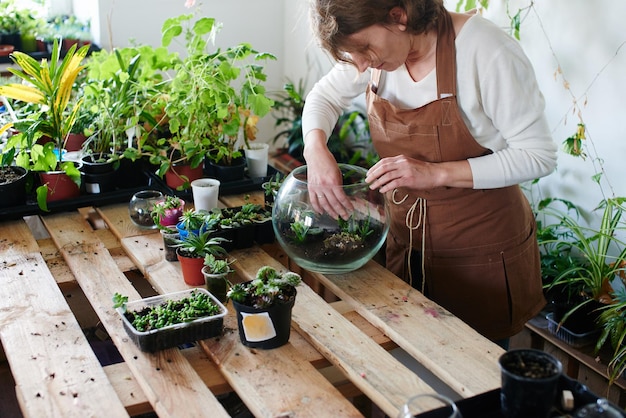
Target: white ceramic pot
x=205 y=193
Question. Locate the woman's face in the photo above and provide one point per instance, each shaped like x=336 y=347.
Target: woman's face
x=381 y=47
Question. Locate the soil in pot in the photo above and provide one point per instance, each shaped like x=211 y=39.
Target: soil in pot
x=529 y=383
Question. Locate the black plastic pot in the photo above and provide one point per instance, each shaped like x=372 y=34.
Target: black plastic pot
x=530 y=381
x=272 y=325
x=225 y=173
x=14 y=192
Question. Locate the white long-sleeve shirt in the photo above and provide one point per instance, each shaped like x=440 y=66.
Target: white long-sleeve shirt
x=497 y=93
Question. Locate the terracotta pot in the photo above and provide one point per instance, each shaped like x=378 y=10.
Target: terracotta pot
x=182 y=176
x=60 y=186
x=74 y=142
x=192 y=269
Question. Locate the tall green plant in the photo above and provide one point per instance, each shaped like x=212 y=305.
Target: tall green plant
x=214 y=96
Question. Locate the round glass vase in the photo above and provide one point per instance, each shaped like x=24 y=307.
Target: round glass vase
x=141 y=205
x=315 y=239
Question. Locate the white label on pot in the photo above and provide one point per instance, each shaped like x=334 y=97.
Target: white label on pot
x=257 y=327
x=92 y=188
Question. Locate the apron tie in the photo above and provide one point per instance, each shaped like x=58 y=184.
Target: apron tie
x=409 y=221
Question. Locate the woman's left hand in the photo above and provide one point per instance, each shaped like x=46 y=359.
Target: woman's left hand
x=401 y=171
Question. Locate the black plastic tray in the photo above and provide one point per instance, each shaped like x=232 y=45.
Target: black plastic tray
x=246 y=184
x=106 y=198
x=487 y=405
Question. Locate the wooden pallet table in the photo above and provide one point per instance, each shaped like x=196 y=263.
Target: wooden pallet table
x=100 y=251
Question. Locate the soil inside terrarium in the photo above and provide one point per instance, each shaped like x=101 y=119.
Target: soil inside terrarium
x=333 y=246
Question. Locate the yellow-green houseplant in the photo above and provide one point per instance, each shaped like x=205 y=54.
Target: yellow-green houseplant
x=49 y=85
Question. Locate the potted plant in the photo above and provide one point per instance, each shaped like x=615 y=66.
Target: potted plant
x=214 y=96
x=192 y=222
x=271 y=186
x=216 y=271
x=601 y=260
x=49 y=84
x=263 y=307
x=169 y=211
x=12 y=181
x=191 y=252
x=244 y=223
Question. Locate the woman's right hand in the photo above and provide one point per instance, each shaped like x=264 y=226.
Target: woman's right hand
x=324 y=178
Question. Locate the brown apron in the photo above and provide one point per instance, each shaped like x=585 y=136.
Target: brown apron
x=480 y=253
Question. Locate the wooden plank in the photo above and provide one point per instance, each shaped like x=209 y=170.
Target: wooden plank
x=458 y=355
x=279 y=382
x=381 y=377
x=275 y=383
x=55 y=370
x=166 y=377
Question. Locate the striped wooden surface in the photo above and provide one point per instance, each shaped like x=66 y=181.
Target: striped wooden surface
x=99 y=249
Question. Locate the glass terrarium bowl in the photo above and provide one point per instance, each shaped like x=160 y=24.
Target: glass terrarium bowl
x=320 y=242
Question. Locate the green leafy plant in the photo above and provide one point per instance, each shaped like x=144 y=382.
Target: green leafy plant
x=170 y=312
x=612 y=320
x=300 y=230
x=272 y=185
x=218 y=265
x=268 y=288
x=213 y=97
x=48 y=85
x=353 y=226
x=199 y=246
x=601 y=252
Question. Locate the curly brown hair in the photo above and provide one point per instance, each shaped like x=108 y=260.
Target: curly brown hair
x=334 y=20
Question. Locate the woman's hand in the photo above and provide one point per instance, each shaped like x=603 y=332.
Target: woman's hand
x=400 y=171
x=324 y=178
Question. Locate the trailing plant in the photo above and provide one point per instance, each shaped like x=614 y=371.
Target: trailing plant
x=268 y=288
x=612 y=320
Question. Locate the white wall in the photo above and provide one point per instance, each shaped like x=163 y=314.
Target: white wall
x=583 y=40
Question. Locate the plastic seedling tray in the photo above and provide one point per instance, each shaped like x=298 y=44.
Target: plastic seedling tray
x=173 y=335
x=571 y=338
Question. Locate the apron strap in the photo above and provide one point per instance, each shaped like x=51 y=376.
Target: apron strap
x=446 y=58
x=375 y=80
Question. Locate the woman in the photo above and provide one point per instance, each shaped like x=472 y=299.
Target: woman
x=458 y=121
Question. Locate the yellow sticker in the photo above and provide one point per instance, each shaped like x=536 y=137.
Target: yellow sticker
x=257 y=327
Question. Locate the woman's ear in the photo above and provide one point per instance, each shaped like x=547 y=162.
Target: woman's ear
x=398 y=16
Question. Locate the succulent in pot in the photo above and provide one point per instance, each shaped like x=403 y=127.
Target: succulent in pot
x=168 y=212
x=263 y=307
x=216 y=271
x=191 y=252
